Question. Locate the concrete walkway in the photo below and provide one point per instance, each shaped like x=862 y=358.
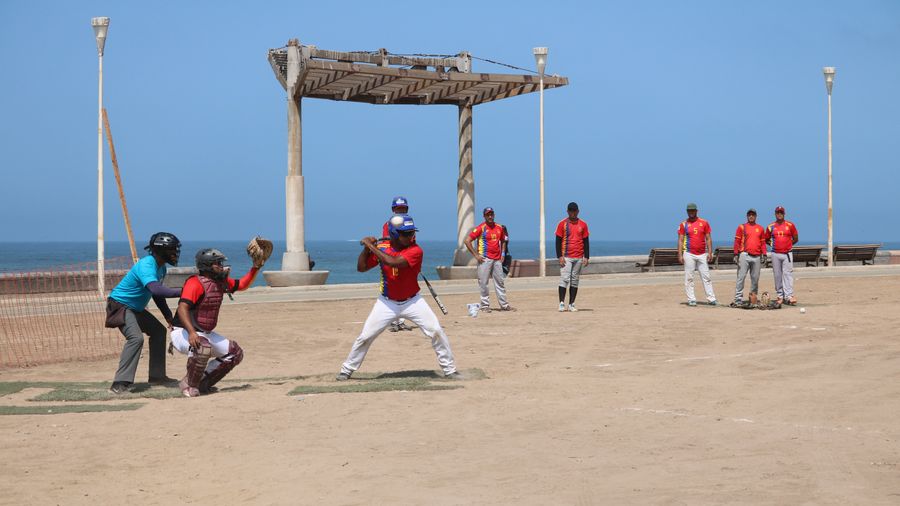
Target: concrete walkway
x=453 y=287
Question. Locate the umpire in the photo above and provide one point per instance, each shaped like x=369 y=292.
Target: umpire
x=126 y=310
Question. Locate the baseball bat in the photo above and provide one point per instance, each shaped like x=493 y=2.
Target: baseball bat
x=435 y=295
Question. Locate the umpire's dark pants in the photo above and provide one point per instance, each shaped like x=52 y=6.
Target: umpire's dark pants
x=138 y=323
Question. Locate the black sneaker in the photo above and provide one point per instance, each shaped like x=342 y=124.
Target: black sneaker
x=119 y=387
x=342 y=376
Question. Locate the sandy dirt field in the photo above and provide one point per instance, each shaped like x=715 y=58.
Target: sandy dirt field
x=636 y=399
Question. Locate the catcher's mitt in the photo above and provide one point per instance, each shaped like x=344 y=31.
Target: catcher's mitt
x=259 y=251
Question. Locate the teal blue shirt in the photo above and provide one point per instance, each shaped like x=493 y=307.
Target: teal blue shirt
x=132 y=290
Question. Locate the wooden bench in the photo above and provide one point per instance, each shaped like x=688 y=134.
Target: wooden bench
x=864 y=253
x=659 y=257
x=723 y=255
x=810 y=255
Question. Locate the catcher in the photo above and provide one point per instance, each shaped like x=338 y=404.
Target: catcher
x=211 y=355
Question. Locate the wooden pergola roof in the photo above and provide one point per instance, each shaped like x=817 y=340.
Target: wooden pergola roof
x=383 y=78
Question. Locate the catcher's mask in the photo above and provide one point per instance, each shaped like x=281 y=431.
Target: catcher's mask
x=207 y=258
x=401 y=223
x=166 y=246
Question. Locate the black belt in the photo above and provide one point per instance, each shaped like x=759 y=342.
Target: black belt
x=399 y=301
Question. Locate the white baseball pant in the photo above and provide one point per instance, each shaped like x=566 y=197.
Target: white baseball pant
x=697 y=262
x=386 y=310
x=218 y=342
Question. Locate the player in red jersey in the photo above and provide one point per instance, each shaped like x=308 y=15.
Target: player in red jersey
x=400 y=262
x=210 y=355
x=573 y=248
x=695 y=252
x=783 y=235
x=492 y=241
x=399 y=205
x=749 y=249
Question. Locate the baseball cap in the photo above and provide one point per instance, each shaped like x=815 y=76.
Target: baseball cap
x=399 y=202
x=572 y=206
x=751 y=211
x=779 y=209
x=692 y=207
x=487 y=210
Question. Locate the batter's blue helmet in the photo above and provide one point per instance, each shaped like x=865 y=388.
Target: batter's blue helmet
x=401 y=223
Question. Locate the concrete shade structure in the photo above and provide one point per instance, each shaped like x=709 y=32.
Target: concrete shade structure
x=381 y=78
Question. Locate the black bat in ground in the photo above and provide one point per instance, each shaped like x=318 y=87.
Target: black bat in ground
x=435 y=295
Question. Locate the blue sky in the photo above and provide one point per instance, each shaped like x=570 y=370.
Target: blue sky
x=720 y=103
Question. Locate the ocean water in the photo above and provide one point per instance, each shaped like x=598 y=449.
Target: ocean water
x=339 y=257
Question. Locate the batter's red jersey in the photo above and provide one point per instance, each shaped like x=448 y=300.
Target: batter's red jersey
x=694 y=232
x=573 y=235
x=750 y=238
x=398 y=283
x=782 y=236
x=489 y=240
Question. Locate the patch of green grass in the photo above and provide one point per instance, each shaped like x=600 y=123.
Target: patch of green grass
x=79 y=394
x=12 y=387
x=417 y=380
x=66 y=408
x=357 y=386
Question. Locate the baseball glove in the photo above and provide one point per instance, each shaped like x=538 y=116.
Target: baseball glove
x=259 y=250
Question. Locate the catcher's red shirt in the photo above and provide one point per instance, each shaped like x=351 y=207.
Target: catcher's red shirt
x=573 y=235
x=489 y=240
x=782 y=236
x=750 y=238
x=398 y=283
x=694 y=232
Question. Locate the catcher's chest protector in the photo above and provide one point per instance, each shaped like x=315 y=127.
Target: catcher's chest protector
x=206 y=312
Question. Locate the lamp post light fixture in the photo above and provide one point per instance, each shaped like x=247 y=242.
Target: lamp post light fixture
x=540 y=57
x=829 y=82
x=100 y=26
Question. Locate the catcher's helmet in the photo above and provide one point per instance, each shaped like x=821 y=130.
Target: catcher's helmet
x=166 y=245
x=208 y=257
x=401 y=223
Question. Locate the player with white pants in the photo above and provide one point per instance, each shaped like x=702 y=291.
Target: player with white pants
x=400 y=262
x=695 y=252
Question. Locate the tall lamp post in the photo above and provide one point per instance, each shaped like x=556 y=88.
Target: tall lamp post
x=829 y=81
x=101 y=26
x=540 y=56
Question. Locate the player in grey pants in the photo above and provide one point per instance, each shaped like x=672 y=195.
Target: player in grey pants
x=491 y=246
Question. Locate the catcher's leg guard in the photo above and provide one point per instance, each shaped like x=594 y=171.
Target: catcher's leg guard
x=226 y=364
x=196 y=366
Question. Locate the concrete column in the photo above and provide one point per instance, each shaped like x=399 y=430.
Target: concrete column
x=465 y=188
x=295 y=258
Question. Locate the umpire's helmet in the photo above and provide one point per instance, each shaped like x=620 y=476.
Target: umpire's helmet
x=166 y=245
x=208 y=257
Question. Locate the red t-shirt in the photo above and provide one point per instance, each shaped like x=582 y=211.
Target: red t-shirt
x=782 y=236
x=750 y=238
x=694 y=233
x=572 y=235
x=489 y=240
x=399 y=284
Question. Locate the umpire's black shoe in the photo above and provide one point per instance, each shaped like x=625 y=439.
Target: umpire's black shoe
x=162 y=380
x=119 y=387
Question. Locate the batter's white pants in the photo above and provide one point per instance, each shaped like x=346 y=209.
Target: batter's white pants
x=386 y=310
x=487 y=270
x=783 y=267
x=218 y=342
x=694 y=262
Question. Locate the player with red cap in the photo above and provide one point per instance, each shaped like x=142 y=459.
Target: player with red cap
x=491 y=239
x=783 y=235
